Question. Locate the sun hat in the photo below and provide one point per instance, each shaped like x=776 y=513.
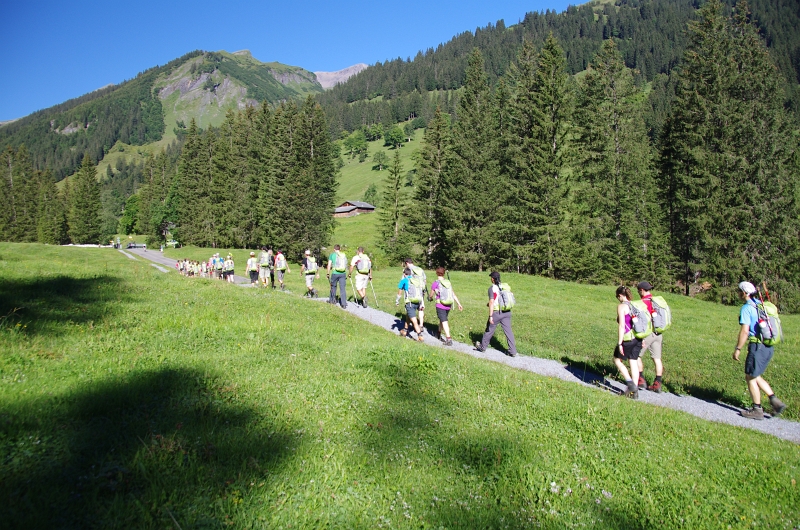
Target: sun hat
x=308 y=252
x=252 y=253
x=747 y=287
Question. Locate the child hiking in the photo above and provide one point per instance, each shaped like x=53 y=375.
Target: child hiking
x=310 y=270
x=442 y=291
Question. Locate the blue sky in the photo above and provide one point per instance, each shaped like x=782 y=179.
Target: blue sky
x=53 y=51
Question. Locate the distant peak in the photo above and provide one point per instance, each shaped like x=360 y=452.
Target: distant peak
x=330 y=79
x=246 y=53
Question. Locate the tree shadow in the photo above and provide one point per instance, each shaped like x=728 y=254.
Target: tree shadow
x=113 y=454
x=35 y=306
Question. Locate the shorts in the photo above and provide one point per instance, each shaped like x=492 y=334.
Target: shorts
x=253 y=276
x=310 y=280
x=630 y=350
x=442 y=314
x=279 y=275
x=411 y=309
x=362 y=280
x=653 y=342
x=263 y=273
x=758 y=357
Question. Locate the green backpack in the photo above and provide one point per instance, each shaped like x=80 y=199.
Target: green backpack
x=506 y=300
x=641 y=323
x=662 y=314
x=416 y=290
x=769 y=330
x=445 y=293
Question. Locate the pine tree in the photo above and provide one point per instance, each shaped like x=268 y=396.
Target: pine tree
x=541 y=123
x=52 y=219
x=394 y=212
x=84 y=211
x=427 y=217
x=618 y=221
x=727 y=158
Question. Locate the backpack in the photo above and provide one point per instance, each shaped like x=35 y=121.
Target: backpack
x=662 y=314
x=641 y=323
x=506 y=299
x=363 y=265
x=280 y=262
x=417 y=272
x=445 y=293
x=769 y=329
x=416 y=288
x=311 y=265
x=340 y=265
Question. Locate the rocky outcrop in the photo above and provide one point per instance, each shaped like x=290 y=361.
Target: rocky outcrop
x=330 y=79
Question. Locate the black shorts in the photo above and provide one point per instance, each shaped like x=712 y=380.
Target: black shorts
x=630 y=350
x=442 y=314
x=758 y=357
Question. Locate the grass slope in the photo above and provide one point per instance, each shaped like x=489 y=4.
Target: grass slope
x=132 y=398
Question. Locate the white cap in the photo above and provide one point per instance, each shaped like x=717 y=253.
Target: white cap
x=747 y=288
x=308 y=252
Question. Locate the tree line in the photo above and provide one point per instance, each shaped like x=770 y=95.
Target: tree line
x=650 y=37
x=547 y=174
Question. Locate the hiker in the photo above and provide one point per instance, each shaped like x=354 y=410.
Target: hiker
x=252 y=269
x=628 y=346
x=758 y=354
x=498 y=314
x=337 y=275
x=443 y=292
x=219 y=265
x=228 y=267
x=363 y=266
x=263 y=266
x=411 y=292
x=281 y=268
x=419 y=274
x=310 y=270
x=652 y=343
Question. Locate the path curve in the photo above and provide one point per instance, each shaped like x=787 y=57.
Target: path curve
x=716 y=411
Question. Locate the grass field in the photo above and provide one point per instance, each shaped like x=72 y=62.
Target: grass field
x=130 y=398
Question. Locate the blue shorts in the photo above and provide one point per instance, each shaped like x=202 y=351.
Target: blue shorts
x=411 y=309
x=758 y=357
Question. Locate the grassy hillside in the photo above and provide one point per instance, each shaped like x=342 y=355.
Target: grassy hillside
x=133 y=398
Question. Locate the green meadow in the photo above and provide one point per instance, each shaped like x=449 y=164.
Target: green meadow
x=130 y=398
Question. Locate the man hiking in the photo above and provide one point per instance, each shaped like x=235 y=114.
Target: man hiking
x=337 y=275
x=411 y=290
x=652 y=343
x=498 y=314
x=310 y=269
x=363 y=266
x=442 y=291
x=252 y=269
x=281 y=268
x=418 y=274
x=758 y=354
x=263 y=265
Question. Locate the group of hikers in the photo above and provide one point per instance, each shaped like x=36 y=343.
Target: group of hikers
x=640 y=323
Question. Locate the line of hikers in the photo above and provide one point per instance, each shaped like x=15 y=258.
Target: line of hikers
x=640 y=323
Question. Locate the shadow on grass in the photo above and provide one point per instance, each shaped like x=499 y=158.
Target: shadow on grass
x=163 y=446
x=38 y=304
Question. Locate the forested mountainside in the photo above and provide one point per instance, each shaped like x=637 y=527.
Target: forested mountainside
x=155 y=103
x=650 y=35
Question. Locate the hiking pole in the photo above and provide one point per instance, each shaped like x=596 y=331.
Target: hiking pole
x=373 y=294
x=766 y=291
x=355 y=298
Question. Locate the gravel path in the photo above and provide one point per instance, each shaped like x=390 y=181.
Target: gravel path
x=705 y=409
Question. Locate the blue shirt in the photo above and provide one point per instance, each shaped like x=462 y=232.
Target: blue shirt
x=749 y=315
x=403 y=284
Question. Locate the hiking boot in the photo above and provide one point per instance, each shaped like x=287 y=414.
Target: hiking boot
x=512 y=354
x=642 y=383
x=753 y=413
x=479 y=347
x=633 y=391
x=420 y=338
x=448 y=342
x=314 y=293
x=403 y=333
x=777 y=405
x=655 y=387
x=364 y=302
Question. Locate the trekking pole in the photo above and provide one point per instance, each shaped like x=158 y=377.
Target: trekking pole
x=766 y=291
x=373 y=295
x=355 y=299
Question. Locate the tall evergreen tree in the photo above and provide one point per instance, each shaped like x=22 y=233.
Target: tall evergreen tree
x=727 y=157
x=427 y=216
x=394 y=213
x=51 y=225
x=84 y=209
x=541 y=123
x=618 y=223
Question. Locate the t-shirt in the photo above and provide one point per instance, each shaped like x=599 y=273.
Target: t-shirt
x=332 y=261
x=435 y=289
x=648 y=301
x=749 y=315
x=356 y=259
x=306 y=263
x=494 y=294
x=403 y=283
